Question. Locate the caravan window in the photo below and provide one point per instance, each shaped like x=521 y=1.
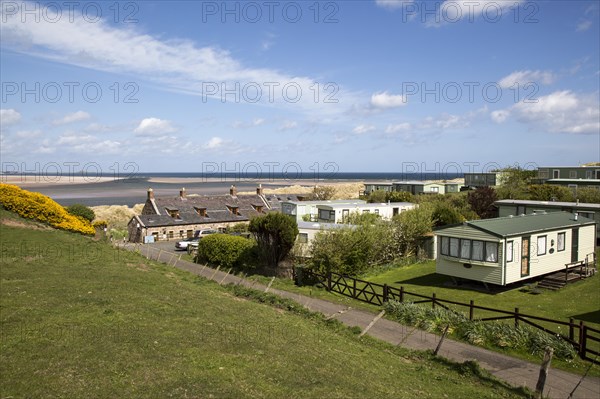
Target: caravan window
x=491 y=252
x=454 y=247
x=465 y=249
x=445 y=245
x=477 y=250
x=541 y=245
x=560 y=242
x=509 y=251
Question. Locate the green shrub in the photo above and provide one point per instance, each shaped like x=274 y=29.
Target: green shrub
x=226 y=250
x=492 y=333
x=82 y=211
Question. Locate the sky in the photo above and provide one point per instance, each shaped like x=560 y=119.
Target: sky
x=319 y=87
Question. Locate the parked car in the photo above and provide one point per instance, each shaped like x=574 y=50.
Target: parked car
x=184 y=244
x=197 y=237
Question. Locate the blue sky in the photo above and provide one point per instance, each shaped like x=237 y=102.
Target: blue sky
x=349 y=85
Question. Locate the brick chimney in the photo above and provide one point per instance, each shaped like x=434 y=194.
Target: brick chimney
x=233 y=191
x=259 y=189
x=150 y=194
x=182 y=193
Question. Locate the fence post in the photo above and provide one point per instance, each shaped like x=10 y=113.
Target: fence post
x=571 y=329
x=433 y=301
x=582 y=339
x=471 y=303
x=354 y=288
x=516 y=317
x=385 y=293
x=401 y=294
x=328 y=281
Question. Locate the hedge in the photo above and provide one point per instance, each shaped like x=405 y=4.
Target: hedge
x=226 y=250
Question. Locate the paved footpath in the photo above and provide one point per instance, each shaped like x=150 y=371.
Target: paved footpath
x=516 y=372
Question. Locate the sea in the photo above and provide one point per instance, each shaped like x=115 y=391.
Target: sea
x=133 y=189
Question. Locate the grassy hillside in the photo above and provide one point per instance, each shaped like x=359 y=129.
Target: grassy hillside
x=80 y=319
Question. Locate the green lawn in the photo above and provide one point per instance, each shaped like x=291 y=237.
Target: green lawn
x=580 y=300
x=80 y=319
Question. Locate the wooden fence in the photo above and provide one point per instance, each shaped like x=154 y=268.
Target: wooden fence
x=579 y=335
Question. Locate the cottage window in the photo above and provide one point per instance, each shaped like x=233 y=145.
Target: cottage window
x=477 y=250
x=201 y=211
x=541 y=245
x=233 y=210
x=509 y=251
x=491 y=252
x=445 y=245
x=454 y=247
x=521 y=210
x=465 y=249
x=560 y=244
x=170 y=233
x=573 y=174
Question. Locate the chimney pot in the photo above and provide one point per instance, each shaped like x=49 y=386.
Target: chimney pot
x=150 y=194
x=182 y=193
x=233 y=191
x=259 y=189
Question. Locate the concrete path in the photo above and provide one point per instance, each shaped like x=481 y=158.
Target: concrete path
x=516 y=372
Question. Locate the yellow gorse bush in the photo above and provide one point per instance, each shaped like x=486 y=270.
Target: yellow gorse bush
x=36 y=206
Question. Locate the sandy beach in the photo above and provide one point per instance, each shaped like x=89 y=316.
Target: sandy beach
x=25 y=181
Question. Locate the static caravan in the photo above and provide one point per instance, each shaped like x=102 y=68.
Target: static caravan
x=339 y=213
x=307 y=232
x=509 y=249
x=299 y=209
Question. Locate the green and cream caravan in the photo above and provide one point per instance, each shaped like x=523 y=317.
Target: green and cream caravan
x=509 y=249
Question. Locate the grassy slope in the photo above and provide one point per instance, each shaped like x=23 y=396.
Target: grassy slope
x=80 y=319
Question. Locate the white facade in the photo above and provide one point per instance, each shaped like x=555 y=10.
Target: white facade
x=298 y=209
x=338 y=213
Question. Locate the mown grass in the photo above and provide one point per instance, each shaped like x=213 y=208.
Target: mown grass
x=579 y=300
x=81 y=319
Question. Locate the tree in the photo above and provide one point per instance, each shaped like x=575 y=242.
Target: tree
x=275 y=234
x=444 y=214
x=514 y=183
x=82 y=211
x=549 y=192
x=482 y=202
x=323 y=193
x=362 y=218
x=589 y=195
x=411 y=226
x=377 y=196
x=400 y=196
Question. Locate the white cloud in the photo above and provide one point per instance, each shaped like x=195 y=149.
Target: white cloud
x=9 y=117
x=386 y=100
x=176 y=64
x=392 y=4
x=560 y=112
x=245 y=125
x=288 y=125
x=500 y=116
x=523 y=77
x=214 y=143
x=71 y=118
x=400 y=127
x=584 y=25
x=154 y=126
x=453 y=11
x=28 y=134
x=362 y=129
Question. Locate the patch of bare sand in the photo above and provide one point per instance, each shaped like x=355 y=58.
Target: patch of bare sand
x=23 y=225
x=117 y=216
x=342 y=190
